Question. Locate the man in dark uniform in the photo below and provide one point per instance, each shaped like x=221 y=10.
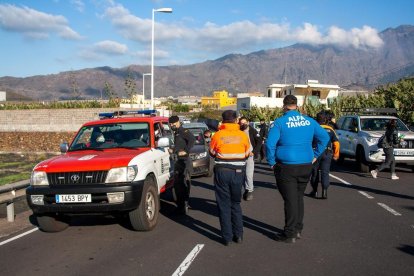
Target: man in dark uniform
x=183 y=142
x=263 y=135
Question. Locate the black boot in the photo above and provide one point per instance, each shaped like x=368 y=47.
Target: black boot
x=324 y=194
x=313 y=194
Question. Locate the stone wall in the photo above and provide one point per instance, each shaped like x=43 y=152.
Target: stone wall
x=47 y=120
x=42 y=130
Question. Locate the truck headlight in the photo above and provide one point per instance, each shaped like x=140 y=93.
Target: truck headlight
x=39 y=178
x=122 y=174
x=200 y=155
x=372 y=140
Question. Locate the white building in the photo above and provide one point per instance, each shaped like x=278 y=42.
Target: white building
x=312 y=90
x=2 y=96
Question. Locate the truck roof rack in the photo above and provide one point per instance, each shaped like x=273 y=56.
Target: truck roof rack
x=370 y=111
x=120 y=113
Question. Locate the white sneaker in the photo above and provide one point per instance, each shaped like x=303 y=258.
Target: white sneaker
x=394 y=177
x=374 y=173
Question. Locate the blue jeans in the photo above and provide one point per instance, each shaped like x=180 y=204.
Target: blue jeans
x=228 y=186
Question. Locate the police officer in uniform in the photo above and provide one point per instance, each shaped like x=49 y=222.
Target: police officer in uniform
x=290 y=154
x=230 y=147
x=263 y=134
x=183 y=142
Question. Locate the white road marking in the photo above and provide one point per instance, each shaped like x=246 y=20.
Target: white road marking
x=389 y=209
x=386 y=207
x=365 y=194
x=18 y=236
x=188 y=260
x=340 y=179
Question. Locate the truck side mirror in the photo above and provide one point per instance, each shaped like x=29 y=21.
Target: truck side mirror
x=163 y=142
x=64 y=147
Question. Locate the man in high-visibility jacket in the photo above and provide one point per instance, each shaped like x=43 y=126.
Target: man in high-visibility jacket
x=230 y=147
x=323 y=164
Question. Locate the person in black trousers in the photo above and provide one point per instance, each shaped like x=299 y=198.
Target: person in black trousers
x=263 y=135
x=390 y=141
x=183 y=142
x=322 y=166
x=290 y=154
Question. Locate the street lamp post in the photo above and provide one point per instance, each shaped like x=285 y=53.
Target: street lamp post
x=165 y=10
x=143 y=85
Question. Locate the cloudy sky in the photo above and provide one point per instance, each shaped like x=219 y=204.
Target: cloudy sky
x=52 y=36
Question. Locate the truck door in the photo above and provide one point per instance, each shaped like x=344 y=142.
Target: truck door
x=348 y=136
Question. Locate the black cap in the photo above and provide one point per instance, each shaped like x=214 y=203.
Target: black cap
x=173 y=119
x=229 y=116
x=289 y=100
x=321 y=117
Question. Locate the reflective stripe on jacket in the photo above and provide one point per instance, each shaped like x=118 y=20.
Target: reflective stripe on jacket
x=230 y=144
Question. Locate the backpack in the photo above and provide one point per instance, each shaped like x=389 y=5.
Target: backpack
x=382 y=141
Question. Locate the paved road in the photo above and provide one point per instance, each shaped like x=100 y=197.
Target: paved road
x=366 y=227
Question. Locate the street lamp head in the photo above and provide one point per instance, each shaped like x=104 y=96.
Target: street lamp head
x=167 y=10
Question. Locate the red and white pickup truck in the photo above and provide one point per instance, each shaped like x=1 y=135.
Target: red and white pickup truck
x=116 y=165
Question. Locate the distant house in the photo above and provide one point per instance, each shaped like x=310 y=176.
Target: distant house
x=220 y=99
x=312 y=91
x=2 y=96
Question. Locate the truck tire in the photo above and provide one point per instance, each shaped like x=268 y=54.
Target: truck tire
x=145 y=217
x=362 y=164
x=210 y=169
x=51 y=223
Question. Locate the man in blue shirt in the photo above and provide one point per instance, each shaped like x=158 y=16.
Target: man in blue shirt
x=290 y=154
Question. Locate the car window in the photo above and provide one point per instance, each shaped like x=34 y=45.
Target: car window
x=340 y=122
x=349 y=124
x=167 y=132
x=112 y=136
x=380 y=124
x=198 y=135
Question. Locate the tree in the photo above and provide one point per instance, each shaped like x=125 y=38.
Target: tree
x=400 y=96
x=257 y=113
x=130 y=87
x=74 y=86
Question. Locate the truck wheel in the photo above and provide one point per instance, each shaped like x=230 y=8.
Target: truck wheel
x=145 y=217
x=361 y=162
x=210 y=172
x=51 y=223
x=210 y=169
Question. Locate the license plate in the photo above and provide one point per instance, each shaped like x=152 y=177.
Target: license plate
x=81 y=198
x=403 y=153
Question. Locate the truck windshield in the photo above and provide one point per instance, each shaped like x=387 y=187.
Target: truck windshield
x=380 y=124
x=120 y=135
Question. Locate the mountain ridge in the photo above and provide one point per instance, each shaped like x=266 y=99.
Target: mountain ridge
x=252 y=72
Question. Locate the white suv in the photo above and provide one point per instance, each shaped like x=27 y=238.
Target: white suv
x=359 y=133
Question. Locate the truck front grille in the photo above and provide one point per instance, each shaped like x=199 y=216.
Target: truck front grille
x=406 y=144
x=73 y=178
